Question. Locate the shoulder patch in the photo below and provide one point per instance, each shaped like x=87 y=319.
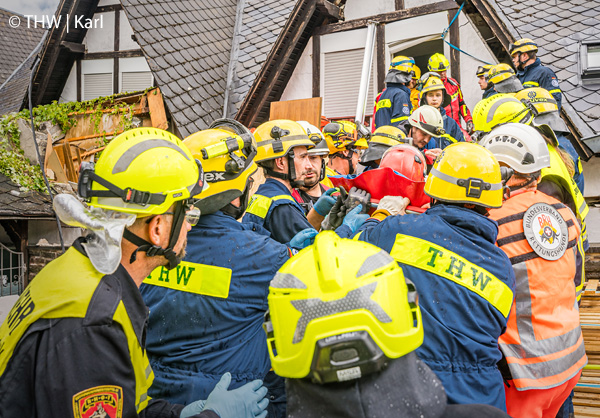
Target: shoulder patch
x=99 y=402
x=546 y=231
x=554 y=82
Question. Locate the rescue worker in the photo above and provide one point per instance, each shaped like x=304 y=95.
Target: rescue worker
x=314 y=182
x=426 y=122
x=457 y=107
x=188 y=352
x=414 y=92
x=433 y=93
x=503 y=79
x=543 y=344
x=382 y=139
x=481 y=73
x=465 y=282
x=282 y=152
x=353 y=354
x=496 y=110
x=344 y=142
x=74 y=343
x=394 y=105
x=530 y=70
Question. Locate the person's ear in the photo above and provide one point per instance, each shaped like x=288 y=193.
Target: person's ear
x=158 y=230
x=279 y=163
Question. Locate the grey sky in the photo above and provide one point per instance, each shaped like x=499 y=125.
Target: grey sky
x=30 y=7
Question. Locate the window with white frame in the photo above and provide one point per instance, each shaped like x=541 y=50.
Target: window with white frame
x=589 y=58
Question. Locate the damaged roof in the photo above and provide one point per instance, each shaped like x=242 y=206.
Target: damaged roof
x=15 y=203
x=558 y=27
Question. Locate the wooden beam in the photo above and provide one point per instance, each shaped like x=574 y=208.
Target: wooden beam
x=454 y=40
x=78 y=70
x=130 y=53
x=328 y=9
x=442 y=6
x=316 y=66
x=73 y=47
x=399 y=4
x=495 y=24
x=380 y=56
x=23 y=229
x=117 y=33
x=109 y=8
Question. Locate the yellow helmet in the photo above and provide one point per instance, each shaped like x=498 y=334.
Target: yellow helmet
x=402 y=64
x=338 y=310
x=483 y=70
x=228 y=161
x=143 y=171
x=382 y=139
x=438 y=62
x=417 y=72
x=499 y=72
x=466 y=173
x=343 y=135
x=545 y=109
x=431 y=82
x=522 y=45
x=499 y=109
x=276 y=138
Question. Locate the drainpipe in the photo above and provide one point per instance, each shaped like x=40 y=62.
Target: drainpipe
x=235 y=53
x=366 y=72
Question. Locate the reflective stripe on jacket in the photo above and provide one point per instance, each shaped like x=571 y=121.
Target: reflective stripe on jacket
x=543 y=343
x=538 y=75
x=457 y=106
x=394 y=106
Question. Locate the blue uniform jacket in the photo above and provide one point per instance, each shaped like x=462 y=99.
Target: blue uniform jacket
x=451 y=128
x=461 y=327
x=394 y=106
x=565 y=144
x=489 y=92
x=538 y=75
x=193 y=339
x=285 y=218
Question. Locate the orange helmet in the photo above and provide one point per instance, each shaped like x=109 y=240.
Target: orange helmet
x=406 y=160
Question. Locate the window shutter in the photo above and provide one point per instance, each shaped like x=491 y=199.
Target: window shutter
x=97 y=85
x=342 y=71
x=136 y=81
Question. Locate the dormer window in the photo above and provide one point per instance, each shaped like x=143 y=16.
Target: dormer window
x=589 y=58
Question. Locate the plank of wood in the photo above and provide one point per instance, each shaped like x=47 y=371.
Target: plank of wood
x=71 y=173
x=48 y=150
x=591 y=287
x=158 y=116
x=55 y=165
x=303 y=109
x=84 y=137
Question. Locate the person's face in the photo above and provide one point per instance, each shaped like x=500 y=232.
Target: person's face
x=302 y=163
x=355 y=158
x=442 y=74
x=515 y=60
x=434 y=98
x=311 y=176
x=482 y=83
x=412 y=83
x=420 y=138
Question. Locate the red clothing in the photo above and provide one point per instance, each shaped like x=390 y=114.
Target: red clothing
x=457 y=106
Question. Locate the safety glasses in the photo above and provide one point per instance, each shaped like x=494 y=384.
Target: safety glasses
x=192 y=215
x=424 y=78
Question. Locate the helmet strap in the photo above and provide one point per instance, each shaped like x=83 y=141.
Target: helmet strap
x=236 y=212
x=348 y=159
x=530 y=180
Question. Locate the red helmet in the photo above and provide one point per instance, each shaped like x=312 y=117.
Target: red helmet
x=406 y=160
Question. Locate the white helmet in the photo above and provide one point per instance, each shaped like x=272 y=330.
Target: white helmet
x=428 y=119
x=519 y=146
x=315 y=136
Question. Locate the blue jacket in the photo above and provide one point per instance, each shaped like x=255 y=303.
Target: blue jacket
x=565 y=144
x=283 y=217
x=489 y=92
x=451 y=128
x=538 y=75
x=461 y=326
x=393 y=106
x=193 y=339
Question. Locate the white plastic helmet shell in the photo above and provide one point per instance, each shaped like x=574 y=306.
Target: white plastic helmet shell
x=310 y=129
x=519 y=146
x=428 y=119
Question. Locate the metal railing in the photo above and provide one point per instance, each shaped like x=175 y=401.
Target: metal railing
x=12 y=271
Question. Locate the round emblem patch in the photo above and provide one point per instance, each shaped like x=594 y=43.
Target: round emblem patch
x=406 y=111
x=554 y=82
x=546 y=231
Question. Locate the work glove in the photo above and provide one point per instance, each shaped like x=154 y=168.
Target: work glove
x=394 y=205
x=247 y=401
x=303 y=238
x=356 y=197
x=325 y=202
x=470 y=127
x=354 y=219
x=336 y=215
x=192 y=409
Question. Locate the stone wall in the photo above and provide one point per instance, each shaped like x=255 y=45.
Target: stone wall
x=38 y=258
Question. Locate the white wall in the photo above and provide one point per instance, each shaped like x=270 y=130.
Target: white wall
x=300 y=84
x=101 y=39
x=592 y=183
x=48 y=231
x=69 y=93
x=414 y=3
x=355 y=9
x=125 y=41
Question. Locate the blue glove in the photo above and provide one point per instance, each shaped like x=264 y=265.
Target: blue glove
x=247 y=401
x=354 y=219
x=192 y=409
x=303 y=238
x=325 y=202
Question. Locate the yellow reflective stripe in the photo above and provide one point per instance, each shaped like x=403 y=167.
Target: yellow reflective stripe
x=193 y=278
x=399 y=119
x=579 y=289
x=554 y=91
x=442 y=262
x=357 y=236
x=579 y=166
x=531 y=84
x=449 y=138
x=383 y=103
x=454 y=95
x=259 y=205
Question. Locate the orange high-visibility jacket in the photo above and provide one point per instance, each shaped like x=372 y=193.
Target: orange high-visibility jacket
x=543 y=343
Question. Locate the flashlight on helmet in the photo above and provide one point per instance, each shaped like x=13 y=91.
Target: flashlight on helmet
x=223 y=147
